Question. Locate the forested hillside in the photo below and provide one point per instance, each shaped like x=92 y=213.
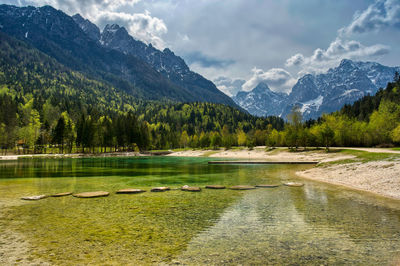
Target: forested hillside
x=43 y=104
x=57 y=35
x=28 y=74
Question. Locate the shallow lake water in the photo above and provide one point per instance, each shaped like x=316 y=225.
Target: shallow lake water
x=314 y=224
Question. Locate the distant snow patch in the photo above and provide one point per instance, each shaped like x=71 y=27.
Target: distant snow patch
x=349 y=92
x=312 y=104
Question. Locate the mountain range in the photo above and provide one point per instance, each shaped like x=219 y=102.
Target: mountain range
x=118 y=61
x=111 y=56
x=319 y=93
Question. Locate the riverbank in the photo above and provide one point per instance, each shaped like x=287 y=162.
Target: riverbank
x=260 y=153
x=374 y=170
x=378 y=177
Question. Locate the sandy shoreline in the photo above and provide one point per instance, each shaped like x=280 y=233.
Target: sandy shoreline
x=378 y=177
x=259 y=153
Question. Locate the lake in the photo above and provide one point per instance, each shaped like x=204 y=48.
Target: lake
x=313 y=224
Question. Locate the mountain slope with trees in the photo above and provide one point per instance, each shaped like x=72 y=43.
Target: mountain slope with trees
x=60 y=36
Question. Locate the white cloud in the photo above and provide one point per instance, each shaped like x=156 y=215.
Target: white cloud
x=295 y=60
x=382 y=13
x=140 y=25
x=278 y=79
x=229 y=86
x=339 y=49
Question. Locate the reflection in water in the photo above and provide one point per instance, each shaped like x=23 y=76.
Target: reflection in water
x=314 y=224
x=296 y=225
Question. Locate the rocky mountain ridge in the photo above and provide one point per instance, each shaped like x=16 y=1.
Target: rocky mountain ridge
x=321 y=93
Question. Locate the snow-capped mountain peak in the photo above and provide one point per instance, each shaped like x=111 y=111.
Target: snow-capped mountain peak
x=322 y=93
x=260 y=99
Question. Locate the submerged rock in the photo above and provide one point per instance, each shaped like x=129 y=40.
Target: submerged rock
x=160 y=189
x=215 y=187
x=268 y=185
x=39 y=197
x=293 y=184
x=130 y=191
x=94 y=194
x=191 y=189
x=242 y=187
x=62 y=194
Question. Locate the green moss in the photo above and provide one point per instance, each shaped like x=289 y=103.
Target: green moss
x=134 y=228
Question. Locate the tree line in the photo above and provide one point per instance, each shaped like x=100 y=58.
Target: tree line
x=153 y=125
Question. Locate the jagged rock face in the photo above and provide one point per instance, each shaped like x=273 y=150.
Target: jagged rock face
x=261 y=101
x=88 y=27
x=323 y=93
x=377 y=73
x=326 y=93
x=165 y=62
x=32 y=23
x=118 y=38
x=298 y=93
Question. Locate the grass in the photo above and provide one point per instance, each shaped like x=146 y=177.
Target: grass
x=362 y=157
x=365 y=156
x=209 y=153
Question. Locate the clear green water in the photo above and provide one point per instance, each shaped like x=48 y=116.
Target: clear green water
x=315 y=224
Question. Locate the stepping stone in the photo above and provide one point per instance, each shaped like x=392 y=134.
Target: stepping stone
x=293 y=184
x=130 y=191
x=242 y=187
x=268 y=185
x=160 y=189
x=61 y=194
x=95 y=194
x=191 y=189
x=215 y=187
x=39 y=197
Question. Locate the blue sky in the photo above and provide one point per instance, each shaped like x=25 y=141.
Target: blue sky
x=238 y=43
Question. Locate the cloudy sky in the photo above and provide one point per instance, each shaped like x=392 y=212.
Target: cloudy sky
x=239 y=43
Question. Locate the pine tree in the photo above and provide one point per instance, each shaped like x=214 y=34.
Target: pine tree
x=59 y=133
